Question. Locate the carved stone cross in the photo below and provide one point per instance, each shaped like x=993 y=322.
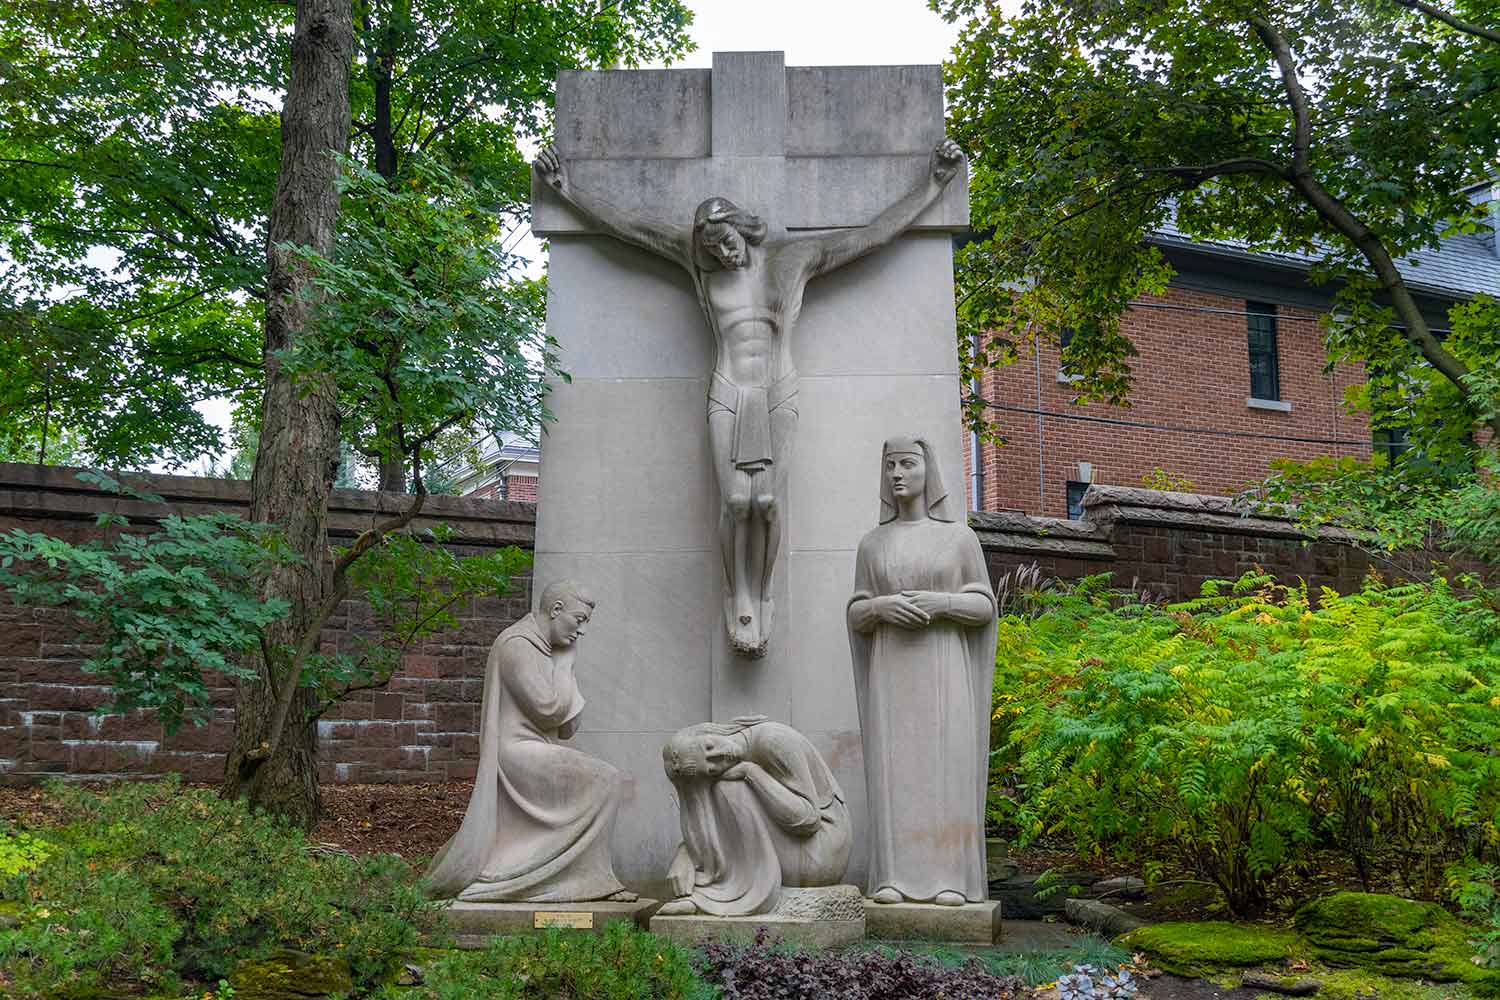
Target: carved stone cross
x=628 y=501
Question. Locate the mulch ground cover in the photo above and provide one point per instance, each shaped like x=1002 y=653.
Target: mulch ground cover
x=410 y=820
x=1176 y=988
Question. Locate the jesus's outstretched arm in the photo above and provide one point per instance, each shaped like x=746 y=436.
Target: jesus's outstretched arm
x=661 y=238
x=817 y=255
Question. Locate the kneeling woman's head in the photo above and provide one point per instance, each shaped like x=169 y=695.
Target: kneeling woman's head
x=706 y=750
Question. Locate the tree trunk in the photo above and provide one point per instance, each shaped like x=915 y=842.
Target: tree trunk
x=393 y=474
x=382 y=65
x=298 y=452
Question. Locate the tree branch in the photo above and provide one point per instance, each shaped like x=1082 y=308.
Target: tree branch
x=1337 y=214
x=339 y=590
x=1204 y=172
x=1296 y=96
x=1451 y=20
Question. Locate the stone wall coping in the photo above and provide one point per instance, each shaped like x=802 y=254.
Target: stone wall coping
x=54 y=492
x=1054 y=536
x=1108 y=506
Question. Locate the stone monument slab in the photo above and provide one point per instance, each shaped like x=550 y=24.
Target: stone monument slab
x=627 y=495
x=827 y=917
x=743 y=930
x=972 y=923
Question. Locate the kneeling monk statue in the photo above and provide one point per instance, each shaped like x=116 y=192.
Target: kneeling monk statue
x=540 y=818
x=760 y=810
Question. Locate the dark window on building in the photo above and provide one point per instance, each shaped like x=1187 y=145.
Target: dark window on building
x=1075 y=499
x=1265 y=371
x=1392 y=442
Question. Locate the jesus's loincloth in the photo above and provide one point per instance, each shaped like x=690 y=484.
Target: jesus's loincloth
x=752 y=406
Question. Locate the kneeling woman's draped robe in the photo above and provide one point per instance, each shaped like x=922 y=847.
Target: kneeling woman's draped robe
x=539 y=820
x=924 y=703
x=743 y=853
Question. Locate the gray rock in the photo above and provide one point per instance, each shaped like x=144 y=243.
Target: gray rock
x=1022 y=900
x=1280 y=984
x=1108 y=921
x=1120 y=887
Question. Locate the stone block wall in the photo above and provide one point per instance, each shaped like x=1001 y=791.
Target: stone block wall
x=423 y=726
x=1168 y=544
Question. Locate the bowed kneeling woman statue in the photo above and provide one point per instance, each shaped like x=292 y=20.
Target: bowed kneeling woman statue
x=922 y=638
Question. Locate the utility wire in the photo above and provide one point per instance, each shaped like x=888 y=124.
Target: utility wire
x=1166 y=427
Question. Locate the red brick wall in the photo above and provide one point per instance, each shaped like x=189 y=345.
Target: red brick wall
x=521 y=489
x=421 y=728
x=1191 y=380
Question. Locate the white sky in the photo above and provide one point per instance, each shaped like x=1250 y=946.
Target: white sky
x=810 y=32
x=821 y=32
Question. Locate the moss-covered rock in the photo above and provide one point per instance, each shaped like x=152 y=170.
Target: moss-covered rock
x=1191 y=948
x=291 y=975
x=1362 y=984
x=1395 y=937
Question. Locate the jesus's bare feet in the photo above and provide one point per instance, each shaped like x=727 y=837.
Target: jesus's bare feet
x=746 y=639
x=677 y=908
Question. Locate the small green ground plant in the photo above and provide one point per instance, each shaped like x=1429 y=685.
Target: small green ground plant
x=1237 y=733
x=147 y=886
x=620 y=964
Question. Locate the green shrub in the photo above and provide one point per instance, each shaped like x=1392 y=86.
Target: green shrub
x=1236 y=733
x=146 y=883
x=620 y=964
x=1475 y=888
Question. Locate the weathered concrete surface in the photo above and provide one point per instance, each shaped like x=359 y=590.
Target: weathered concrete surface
x=973 y=923
x=475 y=923
x=784 y=930
x=627 y=499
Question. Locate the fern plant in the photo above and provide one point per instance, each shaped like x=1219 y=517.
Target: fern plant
x=1238 y=732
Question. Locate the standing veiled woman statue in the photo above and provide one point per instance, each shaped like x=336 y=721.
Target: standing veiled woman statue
x=922 y=637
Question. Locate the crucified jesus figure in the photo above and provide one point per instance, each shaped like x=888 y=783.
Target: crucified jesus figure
x=751 y=293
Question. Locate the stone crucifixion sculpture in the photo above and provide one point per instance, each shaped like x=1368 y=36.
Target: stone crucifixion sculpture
x=751 y=294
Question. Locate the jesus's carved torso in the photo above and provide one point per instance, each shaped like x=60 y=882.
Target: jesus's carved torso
x=750 y=316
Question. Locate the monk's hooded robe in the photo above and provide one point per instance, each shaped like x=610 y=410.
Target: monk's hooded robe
x=539 y=820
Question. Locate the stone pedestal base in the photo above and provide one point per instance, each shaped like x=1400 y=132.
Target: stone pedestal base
x=787 y=930
x=475 y=923
x=822 y=917
x=972 y=923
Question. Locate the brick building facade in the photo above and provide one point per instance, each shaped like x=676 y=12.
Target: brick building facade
x=1192 y=414
x=1231 y=374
